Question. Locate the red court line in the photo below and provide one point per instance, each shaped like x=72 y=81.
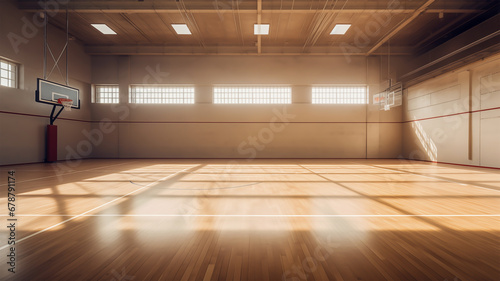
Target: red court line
x=454 y=114
x=43 y=116
x=250 y=122
x=197 y=122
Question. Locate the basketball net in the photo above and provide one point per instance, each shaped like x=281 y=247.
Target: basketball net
x=66 y=103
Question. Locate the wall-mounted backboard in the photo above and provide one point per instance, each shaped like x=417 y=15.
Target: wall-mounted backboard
x=49 y=92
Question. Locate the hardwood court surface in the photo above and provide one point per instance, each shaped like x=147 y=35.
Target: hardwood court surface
x=254 y=220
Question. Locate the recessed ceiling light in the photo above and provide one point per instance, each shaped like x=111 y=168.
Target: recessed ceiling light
x=104 y=29
x=181 y=29
x=340 y=29
x=261 y=29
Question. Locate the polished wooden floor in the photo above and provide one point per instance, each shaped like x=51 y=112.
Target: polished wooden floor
x=258 y=220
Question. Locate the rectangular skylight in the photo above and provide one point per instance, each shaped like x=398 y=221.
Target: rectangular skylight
x=104 y=29
x=340 y=29
x=261 y=29
x=181 y=29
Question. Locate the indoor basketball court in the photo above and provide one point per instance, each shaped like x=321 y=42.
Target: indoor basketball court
x=250 y=140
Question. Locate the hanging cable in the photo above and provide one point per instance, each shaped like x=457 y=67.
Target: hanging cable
x=389 y=62
x=239 y=22
x=67 y=44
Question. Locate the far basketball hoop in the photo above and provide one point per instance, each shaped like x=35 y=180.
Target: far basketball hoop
x=390 y=97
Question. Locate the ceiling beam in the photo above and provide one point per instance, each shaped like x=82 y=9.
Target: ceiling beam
x=94 y=10
x=232 y=50
x=402 y=25
x=224 y=54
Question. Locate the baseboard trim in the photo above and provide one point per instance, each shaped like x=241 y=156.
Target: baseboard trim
x=464 y=165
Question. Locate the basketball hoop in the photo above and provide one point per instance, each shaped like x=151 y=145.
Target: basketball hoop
x=66 y=103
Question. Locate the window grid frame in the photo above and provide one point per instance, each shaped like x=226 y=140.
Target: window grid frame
x=9 y=73
x=107 y=94
x=252 y=95
x=162 y=94
x=339 y=95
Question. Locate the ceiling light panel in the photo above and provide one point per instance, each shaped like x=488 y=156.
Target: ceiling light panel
x=261 y=29
x=340 y=29
x=181 y=29
x=103 y=28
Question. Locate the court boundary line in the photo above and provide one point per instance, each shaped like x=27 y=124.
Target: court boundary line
x=95 y=208
x=69 y=173
x=198 y=189
x=277 y=215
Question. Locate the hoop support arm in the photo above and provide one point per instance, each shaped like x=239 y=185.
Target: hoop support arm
x=52 y=118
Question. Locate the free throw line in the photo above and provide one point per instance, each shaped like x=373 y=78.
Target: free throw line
x=206 y=215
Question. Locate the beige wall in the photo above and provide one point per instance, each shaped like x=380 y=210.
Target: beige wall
x=22 y=137
x=206 y=130
x=461 y=138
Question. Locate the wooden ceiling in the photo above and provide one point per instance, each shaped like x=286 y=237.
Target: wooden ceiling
x=296 y=26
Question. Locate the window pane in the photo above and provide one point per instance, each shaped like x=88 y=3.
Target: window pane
x=252 y=95
x=339 y=95
x=107 y=94
x=8 y=74
x=161 y=94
